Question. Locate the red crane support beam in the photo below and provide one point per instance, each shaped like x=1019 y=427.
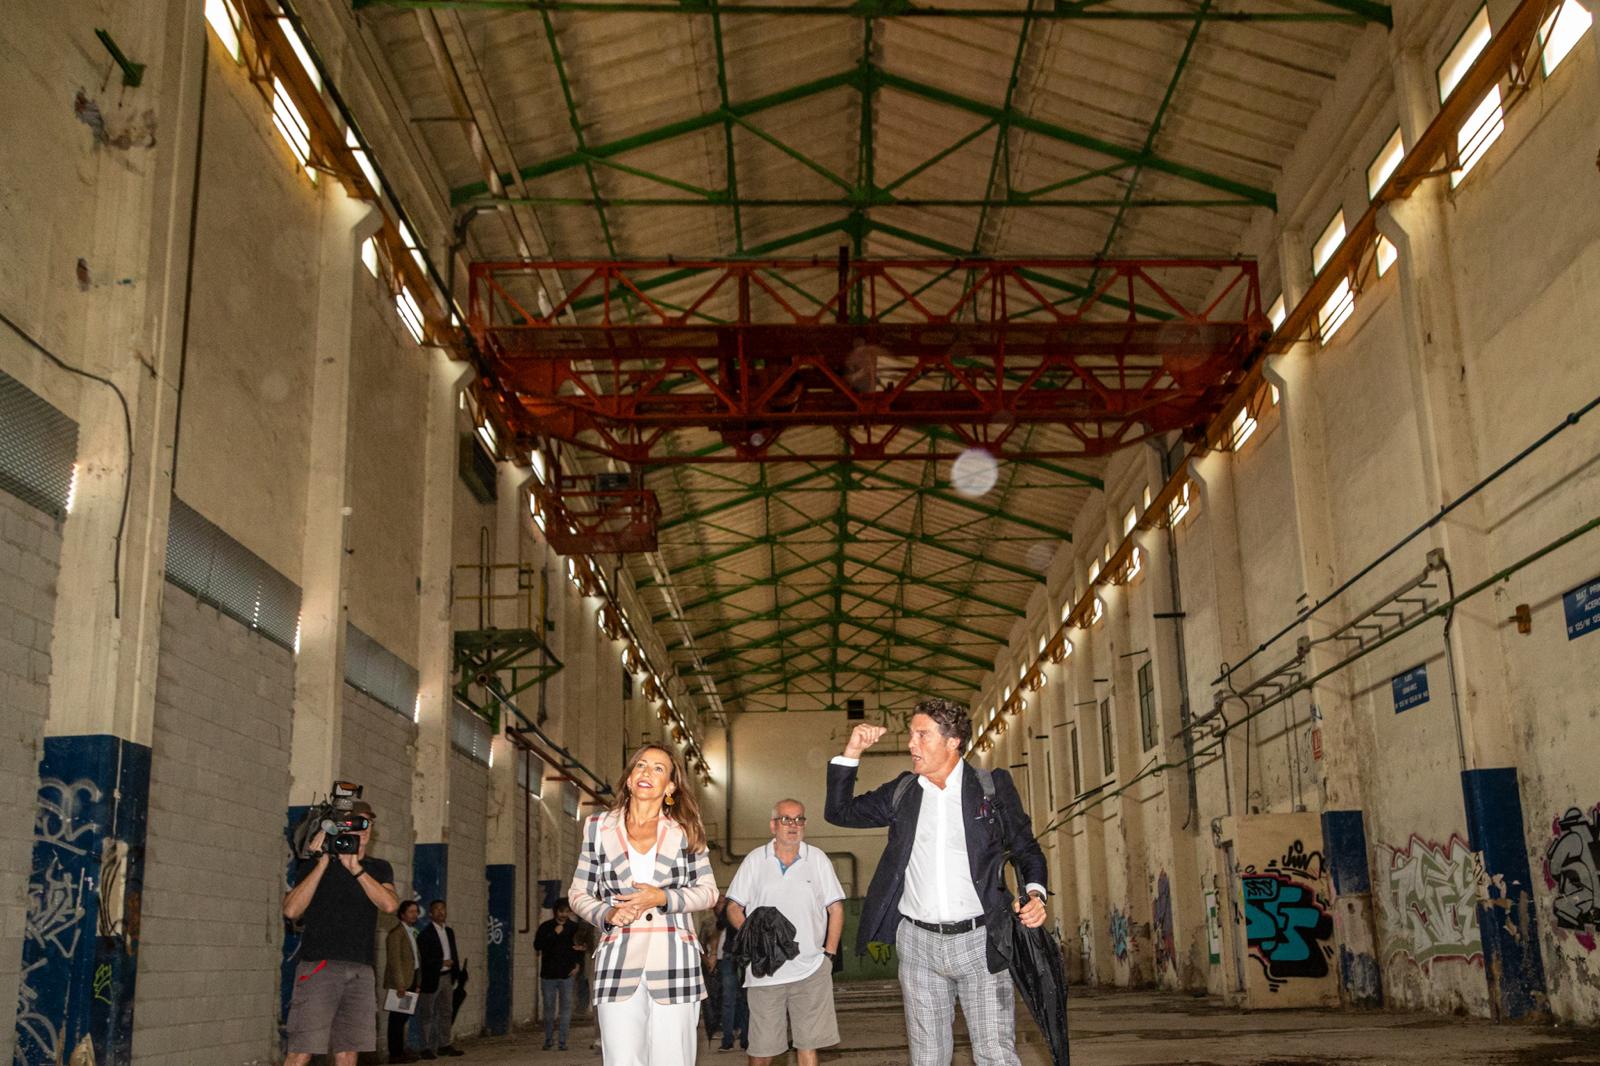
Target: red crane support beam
x=1111 y=350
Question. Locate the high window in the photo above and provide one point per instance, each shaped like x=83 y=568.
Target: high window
x=1107 y=748
x=1486 y=122
x=1147 y=708
x=1336 y=310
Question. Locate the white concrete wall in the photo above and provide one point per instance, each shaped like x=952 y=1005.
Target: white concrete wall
x=1392 y=426
x=30 y=550
x=211 y=935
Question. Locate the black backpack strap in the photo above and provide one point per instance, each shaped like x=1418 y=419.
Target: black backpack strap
x=900 y=791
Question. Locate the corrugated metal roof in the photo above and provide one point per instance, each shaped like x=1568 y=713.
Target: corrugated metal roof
x=876 y=578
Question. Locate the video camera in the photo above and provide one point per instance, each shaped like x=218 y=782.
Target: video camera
x=337 y=820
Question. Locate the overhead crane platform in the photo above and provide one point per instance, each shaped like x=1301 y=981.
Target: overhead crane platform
x=1114 y=351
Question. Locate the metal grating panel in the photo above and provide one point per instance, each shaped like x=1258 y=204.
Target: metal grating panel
x=379 y=672
x=38 y=445
x=469 y=734
x=204 y=560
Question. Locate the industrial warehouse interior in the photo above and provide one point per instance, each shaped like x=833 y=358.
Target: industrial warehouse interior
x=454 y=397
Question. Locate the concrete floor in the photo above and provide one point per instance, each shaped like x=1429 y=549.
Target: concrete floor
x=1148 y=1028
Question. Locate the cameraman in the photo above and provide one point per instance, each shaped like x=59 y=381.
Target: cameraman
x=336 y=899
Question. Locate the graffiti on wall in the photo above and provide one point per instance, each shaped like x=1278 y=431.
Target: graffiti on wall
x=1429 y=897
x=1121 y=934
x=1572 y=873
x=1166 y=954
x=1288 y=926
x=60 y=894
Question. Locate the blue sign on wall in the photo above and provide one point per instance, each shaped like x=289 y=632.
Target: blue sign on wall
x=1582 y=607
x=1410 y=688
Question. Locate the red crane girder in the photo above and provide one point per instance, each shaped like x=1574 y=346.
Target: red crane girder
x=1111 y=350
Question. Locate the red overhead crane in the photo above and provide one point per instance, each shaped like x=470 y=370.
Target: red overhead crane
x=880 y=351
x=750 y=349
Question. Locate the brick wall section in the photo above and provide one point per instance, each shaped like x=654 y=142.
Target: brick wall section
x=375 y=751
x=469 y=895
x=30 y=553
x=214 y=869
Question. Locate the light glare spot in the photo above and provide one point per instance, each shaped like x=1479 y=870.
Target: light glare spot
x=973 y=473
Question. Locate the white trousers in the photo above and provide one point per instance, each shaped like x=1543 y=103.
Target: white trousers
x=641 y=1032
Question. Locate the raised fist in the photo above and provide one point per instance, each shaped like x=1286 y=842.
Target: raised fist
x=863 y=737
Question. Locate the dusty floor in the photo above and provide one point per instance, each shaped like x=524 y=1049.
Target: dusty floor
x=1146 y=1028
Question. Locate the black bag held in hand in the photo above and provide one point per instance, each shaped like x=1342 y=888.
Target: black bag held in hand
x=1034 y=958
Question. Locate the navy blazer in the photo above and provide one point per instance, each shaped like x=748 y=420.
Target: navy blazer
x=881 y=913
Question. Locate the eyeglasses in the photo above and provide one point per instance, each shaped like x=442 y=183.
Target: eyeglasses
x=784 y=819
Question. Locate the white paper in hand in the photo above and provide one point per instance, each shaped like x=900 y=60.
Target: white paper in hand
x=400 y=1002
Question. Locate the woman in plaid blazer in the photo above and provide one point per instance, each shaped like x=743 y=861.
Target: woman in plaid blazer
x=642 y=872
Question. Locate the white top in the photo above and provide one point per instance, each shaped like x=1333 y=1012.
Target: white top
x=801 y=893
x=411 y=938
x=444 y=941
x=938 y=884
x=643 y=864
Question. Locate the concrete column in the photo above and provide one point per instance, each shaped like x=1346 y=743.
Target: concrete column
x=319 y=659
x=1419 y=229
x=1179 y=916
x=430 y=780
x=80 y=948
x=1347 y=735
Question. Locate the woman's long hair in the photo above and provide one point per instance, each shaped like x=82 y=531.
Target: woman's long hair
x=685 y=809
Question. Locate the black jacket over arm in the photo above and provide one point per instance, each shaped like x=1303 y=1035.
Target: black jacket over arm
x=881 y=913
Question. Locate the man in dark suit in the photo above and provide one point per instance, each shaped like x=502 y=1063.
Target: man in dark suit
x=436 y=949
x=947 y=827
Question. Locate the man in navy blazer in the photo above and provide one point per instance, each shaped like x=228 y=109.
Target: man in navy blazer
x=932 y=887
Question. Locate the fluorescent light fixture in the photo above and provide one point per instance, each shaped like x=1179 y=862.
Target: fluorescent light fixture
x=1276 y=313
x=536 y=460
x=72 y=488
x=369 y=256
x=1130 y=520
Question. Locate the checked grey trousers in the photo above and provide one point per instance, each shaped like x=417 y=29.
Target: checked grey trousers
x=936 y=971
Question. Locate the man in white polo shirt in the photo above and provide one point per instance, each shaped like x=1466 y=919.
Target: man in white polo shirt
x=799 y=881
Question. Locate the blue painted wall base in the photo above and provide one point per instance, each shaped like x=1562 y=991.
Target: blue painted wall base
x=502 y=879
x=1509 y=919
x=291 y=932
x=1344 y=846
x=80 y=949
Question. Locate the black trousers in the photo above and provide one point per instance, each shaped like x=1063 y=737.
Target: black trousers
x=397 y=1035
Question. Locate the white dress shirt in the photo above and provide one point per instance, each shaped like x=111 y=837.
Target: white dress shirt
x=938 y=882
x=444 y=940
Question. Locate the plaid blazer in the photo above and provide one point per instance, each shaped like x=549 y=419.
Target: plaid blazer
x=661 y=948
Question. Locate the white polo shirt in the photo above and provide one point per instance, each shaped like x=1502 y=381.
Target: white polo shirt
x=802 y=894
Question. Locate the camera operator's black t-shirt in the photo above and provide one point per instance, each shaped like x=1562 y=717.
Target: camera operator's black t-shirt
x=340 y=922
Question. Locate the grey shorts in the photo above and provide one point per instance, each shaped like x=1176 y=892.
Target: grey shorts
x=334 y=1007
x=801 y=1010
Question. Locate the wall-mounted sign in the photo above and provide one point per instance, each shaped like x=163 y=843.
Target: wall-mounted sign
x=1410 y=688
x=1582 y=608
